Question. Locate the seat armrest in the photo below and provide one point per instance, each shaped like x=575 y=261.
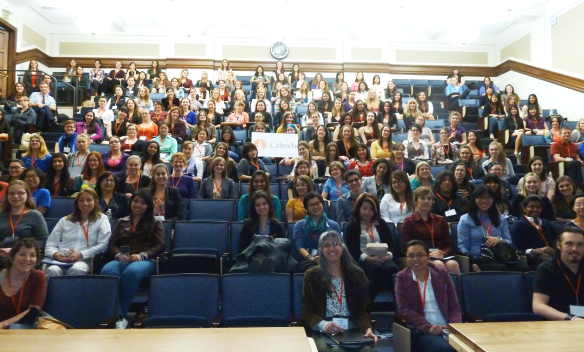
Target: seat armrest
x=109 y=324
x=217 y=321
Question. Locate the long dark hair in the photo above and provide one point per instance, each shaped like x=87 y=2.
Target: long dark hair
x=536 y=102
x=63 y=179
x=230 y=130
x=326 y=141
x=473 y=210
x=498 y=195
x=466 y=182
x=402 y=176
x=544 y=171
x=387 y=176
x=516 y=119
x=254 y=218
x=40 y=173
x=479 y=144
x=155 y=157
x=92 y=126
x=102 y=177
x=558 y=197
x=440 y=178
x=366 y=198
x=146 y=224
x=252 y=190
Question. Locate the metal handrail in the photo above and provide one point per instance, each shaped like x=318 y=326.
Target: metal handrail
x=4 y=71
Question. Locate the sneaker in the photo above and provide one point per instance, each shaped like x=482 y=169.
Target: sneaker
x=254 y=266
x=122 y=323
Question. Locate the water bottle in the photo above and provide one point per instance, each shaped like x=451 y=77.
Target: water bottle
x=108 y=213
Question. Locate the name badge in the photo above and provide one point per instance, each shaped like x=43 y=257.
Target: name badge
x=163 y=155
x=568 y=159
x=450 y=212
x=432 y=250
x=342 y=322
x=577 y=310
x=66 y=150
x=159 y=217
x=143 y=138
x=115 y=107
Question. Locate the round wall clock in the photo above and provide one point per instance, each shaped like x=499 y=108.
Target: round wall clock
x=279 y=50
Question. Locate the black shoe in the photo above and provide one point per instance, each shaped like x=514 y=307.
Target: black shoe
x=254 y=266
x=267 y=266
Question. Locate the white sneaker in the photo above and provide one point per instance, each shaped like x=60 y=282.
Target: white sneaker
x=122 y=323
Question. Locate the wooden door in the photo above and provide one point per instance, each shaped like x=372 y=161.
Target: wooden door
x=4 y=47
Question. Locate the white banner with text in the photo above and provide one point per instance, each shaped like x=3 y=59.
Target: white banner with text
x=275 y=144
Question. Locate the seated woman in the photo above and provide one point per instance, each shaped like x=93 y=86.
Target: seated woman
x=186 y=115
x=457 y=133
x=303 y=154
x=37 y=154
x=432 y=229
x=221 y=150
x=67 y=142
x=250 y=163
x=144 y=235
x=203 y=123
x=308 y=230
x=534 y=122
x=168 y=145
x=462 y=179
x=359 y=112
x=134 y=178
x=381 y=148
x=150 y=158
x=367 y=227
x=495 y=112
x=238 y=118
x=147 y=130
x=159 y=115
x=533 y=235
x=218 y=185
x=446 y=309
x=119 y=126
x=109 y=199
x=444 y=152
x=531 y=187
x=425 y=106
x=475 y=172
x=578 y=133
x=301 y=167
x=318 y=144
x=184 y=183
x=379 y=183
x=170 y=101
x=387 y=117
x=19 y=217
x=416 y=148
x=59 y=183
x=345 y=121
x=398 y=203
x=447 y=202
x=426 y=135
x=337 y=272
x=92 y=169
x=66 y=243
x=259 y=182
x=516 y=127
x=475 y=145
x=114 y=160
x=177 y=127
x=233 y=145
x=295 y=210
x=20 y=278
x=547 y=183
x=306 y=120
x=347 y=145
x=167 y=201
x=287 y=119
x=35 y=179
x=369 y=133
x=497 y=154
x=90 y=127
x=262 y=220
x=103 y=113
x=484 y=225
x=399 y=161
x=422 y=176
x=335 y=187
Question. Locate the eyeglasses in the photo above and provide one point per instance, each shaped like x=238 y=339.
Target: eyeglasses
x=109 y=180
x=312 y=205
x=331 y=244
x=396 y=182
x=414 y=256
x=353 y=180
x=15 y=167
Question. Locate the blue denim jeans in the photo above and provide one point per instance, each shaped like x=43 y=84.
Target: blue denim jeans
x=497 y=124
x=130 y=276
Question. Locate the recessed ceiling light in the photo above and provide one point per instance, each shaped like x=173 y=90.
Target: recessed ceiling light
x=509 y=10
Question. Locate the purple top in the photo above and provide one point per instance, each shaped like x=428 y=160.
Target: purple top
x=95 y=135
x=185 y=184
x=540 y=123
x=459 y=131
x=118 y=166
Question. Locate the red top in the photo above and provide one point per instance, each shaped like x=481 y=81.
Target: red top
x=569 y=150
x=365 y=171
x=34 y=294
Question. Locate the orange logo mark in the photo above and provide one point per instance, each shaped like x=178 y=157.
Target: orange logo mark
x=261 y=144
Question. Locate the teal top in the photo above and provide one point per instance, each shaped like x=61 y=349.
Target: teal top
x=416 y=184
x=243 y=208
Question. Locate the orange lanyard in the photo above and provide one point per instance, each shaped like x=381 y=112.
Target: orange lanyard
x=423 y=298
x=339 y=189
x=22 y=292
x=218 y=186
x=540 y=230
x=86 y=232
x=401 y=165
x=137 y=183
x=82 y=160
x=177 y=182
x=489 y=229
x=370 y=233
x=470 y=172
x=401 y=206
x=578 y=223
x=57 y=186
x=340 y=297
x=17 y=221
x=159 y=202
x=118 y=128
x=346 y=149
x=446 y=150
x=575 y=289
x=257 y=166
x=568 y=149
x=439 y=196
x=431 y=227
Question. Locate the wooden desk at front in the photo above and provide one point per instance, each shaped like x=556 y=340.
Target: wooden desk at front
x=156 y=340
x=548 y=336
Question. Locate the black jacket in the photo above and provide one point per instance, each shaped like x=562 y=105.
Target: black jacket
x=248 y=231
x=353 y=235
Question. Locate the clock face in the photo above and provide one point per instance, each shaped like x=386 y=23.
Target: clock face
x=279 y=50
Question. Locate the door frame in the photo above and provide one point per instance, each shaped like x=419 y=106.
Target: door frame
x=11 y=54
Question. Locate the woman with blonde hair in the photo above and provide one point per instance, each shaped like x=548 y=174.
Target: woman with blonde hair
x=144 y=101
x=184 y=183
x=75 y=248
x=37 y=154
x=497 y=154
x=216 y=98
x=372 y=101
x=422 y=177
x=578 y=133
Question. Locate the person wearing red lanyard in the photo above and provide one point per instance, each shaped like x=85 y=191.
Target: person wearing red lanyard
x=495 y=111
x=483 y=224
x=558 y=283
x=416 y=148
x=22 y=286
x=567 y=151
x=533 y=235
x=238 y=118
x=432 y=229
x=426 y=298
x=335 y=294
x=217 y=185
x=362 y=161
x=366 y=228
x=348 y=144
x=167 y=200
x=400 y=162
x=475 y=172
x=77 y=237
x=531 y=186
x=444 y=152
x=447 y=202
x=134 y=179
x=183 y=182
x=335 y=187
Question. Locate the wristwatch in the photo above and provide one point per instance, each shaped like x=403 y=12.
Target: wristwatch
x=308 y=257
x=569 y=317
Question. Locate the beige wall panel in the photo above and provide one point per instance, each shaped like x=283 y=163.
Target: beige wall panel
x=442 y=57
x=109 y=49
x=32 y=37
x=189 y=50
x=521 y=49
x=366 y=54
x=313 y=54
x=235 y=52
x=567 y=37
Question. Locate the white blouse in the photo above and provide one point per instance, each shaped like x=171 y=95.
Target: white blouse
x=393 y=211
x=71 y=235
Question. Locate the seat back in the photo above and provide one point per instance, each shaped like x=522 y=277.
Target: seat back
x=434 y=124
x=435 y=170
x=529 y=278
x=297 y=286
x=60 y=207
x=51 y=223
x=256 y=300
x=234 y=230
x=491 y=295
x=211 y=209
x=528 y=140
x=100 y=148
x=84 y=302
x=456 y=280
x=209 y=237
x=186 y=300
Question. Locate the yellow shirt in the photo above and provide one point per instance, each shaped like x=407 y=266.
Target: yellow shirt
x=378 y=152
x=298 y=207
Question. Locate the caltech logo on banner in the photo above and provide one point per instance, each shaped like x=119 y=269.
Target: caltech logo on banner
x=275 y=144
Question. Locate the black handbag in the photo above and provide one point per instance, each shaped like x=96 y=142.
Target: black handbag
x=502 y=252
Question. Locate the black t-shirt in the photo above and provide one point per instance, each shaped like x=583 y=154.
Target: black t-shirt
x=550 y=280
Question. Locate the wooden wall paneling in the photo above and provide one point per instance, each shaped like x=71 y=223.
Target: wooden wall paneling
x=539 y=73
